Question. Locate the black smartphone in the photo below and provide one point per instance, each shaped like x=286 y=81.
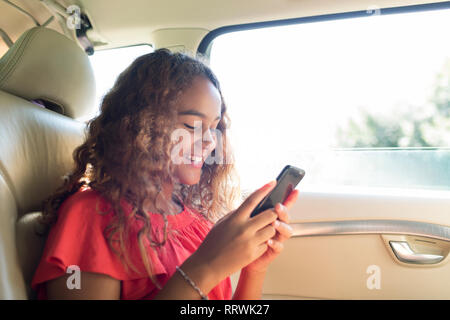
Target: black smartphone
x=287 y=180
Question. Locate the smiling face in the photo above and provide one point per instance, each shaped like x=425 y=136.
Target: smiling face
x=198 y=116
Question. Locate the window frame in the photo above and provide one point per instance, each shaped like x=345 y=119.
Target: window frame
x=124 y=47
x=205 y=45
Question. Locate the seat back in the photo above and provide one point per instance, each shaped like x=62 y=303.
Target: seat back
x=36 y=143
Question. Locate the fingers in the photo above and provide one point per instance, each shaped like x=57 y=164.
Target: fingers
x=270 y=216
x=261 y=249
x=275 y=245
x=290 y=200
x=281 y=211
x=265 y=234
x=284 y=230
x=263 y=219
x=226 y=216
x=254 y=199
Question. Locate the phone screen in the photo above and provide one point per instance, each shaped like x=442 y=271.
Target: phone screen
x=287 y=180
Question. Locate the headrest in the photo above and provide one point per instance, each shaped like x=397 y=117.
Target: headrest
x=46 y=65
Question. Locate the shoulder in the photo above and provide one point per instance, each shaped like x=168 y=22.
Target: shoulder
x=86 y=203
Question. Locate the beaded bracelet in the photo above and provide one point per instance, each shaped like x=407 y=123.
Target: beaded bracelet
x=185 y=276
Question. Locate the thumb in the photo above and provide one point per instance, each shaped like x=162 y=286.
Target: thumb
x=225 y=216
x=254 y=199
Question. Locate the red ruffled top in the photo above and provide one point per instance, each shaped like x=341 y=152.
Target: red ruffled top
x=78 y=239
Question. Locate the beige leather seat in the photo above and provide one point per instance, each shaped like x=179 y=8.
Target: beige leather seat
x=36 y=144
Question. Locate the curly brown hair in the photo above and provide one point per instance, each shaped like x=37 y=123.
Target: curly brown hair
x=126 y=152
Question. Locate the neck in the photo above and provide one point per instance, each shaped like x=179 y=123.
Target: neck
x=164 y=201
x=167 y=191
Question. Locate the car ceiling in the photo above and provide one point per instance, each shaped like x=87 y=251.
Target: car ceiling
x=119 y=23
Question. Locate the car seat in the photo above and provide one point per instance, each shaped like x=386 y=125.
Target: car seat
x=36 y=142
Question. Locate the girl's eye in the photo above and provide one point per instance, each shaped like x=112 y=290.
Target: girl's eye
x=193 y=128
x=189 y=127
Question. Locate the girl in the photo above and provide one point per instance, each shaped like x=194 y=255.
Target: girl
x=143 y=214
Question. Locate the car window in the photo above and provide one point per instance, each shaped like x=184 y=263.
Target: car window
x=355 y=102
x=108 y=64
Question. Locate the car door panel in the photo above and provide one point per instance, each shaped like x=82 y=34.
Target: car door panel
x=342 y=248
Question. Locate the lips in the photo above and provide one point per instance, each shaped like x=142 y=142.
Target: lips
x=195 y=161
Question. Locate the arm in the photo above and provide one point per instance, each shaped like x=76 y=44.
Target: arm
x=250 y=285
x=238 y=239
x=96 y=286
x=252 y=276
x=177 y=288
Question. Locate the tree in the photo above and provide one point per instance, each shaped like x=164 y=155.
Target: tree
x=407 y=129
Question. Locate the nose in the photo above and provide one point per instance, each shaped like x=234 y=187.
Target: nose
x=209 y=140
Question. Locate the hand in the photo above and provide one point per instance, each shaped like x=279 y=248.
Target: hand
x=284 y=232
x=236 y=240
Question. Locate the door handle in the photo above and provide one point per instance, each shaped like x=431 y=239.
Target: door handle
x=404 y=253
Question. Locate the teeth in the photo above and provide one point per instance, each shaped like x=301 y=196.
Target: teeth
x=195 y=159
